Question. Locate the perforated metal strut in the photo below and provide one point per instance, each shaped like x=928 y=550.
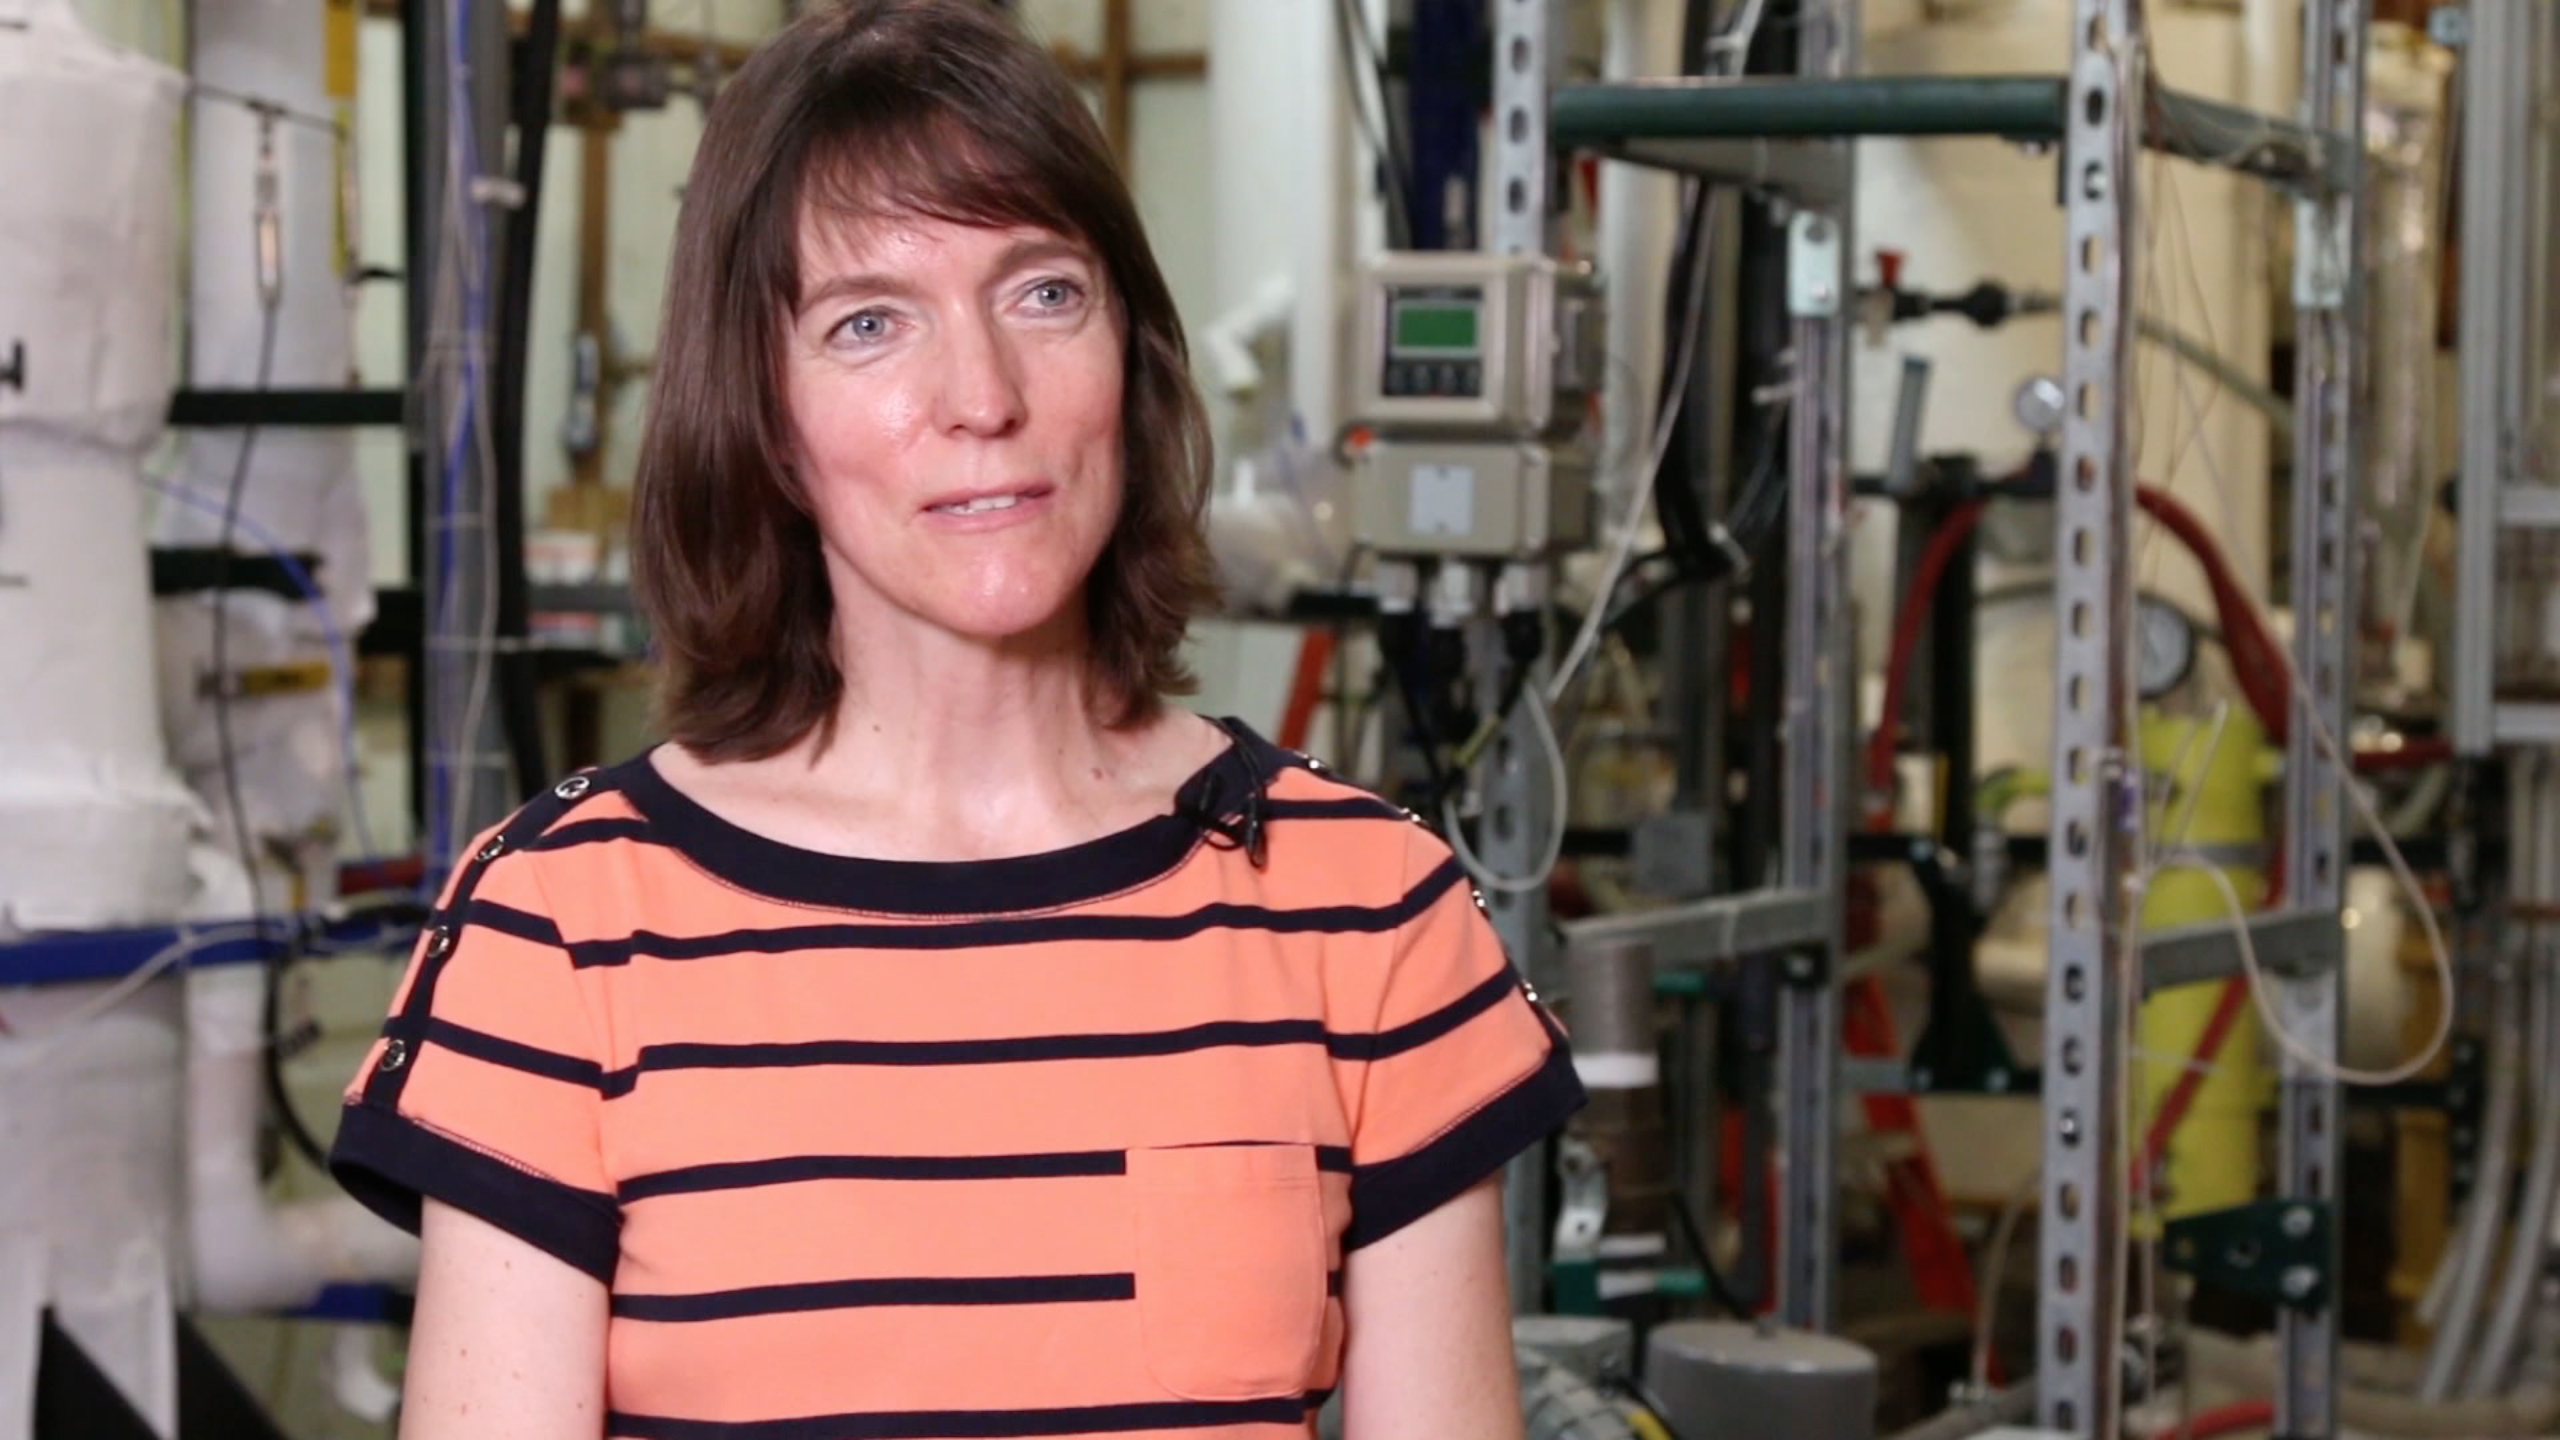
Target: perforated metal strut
x=2080 y=1323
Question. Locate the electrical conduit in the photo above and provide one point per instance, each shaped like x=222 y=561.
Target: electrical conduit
x=2486 y=1215
x=2494 y=1356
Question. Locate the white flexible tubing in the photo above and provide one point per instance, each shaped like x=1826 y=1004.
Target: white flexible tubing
x=2488 y=1196
x=1559 y=794
x=1586 y=640
x=2494 y=1357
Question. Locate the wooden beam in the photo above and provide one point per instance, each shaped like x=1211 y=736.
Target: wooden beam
x=1162 y=65
x=1115 y=78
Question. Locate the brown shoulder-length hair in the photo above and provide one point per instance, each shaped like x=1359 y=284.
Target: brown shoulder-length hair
x=869 y=109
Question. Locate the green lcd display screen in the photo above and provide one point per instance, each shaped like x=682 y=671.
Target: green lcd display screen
x=1442 y=327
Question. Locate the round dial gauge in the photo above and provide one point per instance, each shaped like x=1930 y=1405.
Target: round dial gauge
x=2040 y=405
x=2167 y=646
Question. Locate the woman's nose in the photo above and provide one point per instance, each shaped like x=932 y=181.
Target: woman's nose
x=981 y=385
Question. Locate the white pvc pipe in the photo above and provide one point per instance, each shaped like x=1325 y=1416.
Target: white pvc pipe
x=2490 y=1360
x=1635 y=224
x=2486 y=1217
x=2494 y=1358
x=250 y=1254
x=93 y=828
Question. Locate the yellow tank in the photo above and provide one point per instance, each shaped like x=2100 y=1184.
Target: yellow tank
x=2206 y=773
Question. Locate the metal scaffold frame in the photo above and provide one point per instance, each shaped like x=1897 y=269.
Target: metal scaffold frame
x=1800 y=918
x=1516 y=805
x=2089 y=982
x=1784 y=136
x=2505 y=486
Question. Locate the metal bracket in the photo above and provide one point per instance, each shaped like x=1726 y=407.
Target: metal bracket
x=2320 y=270
x=1814 y=273
x=2449 y=26
x=1582 y=1211
x=2271 y=1250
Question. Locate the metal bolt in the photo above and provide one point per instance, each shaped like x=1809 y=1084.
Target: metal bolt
x=1920 y=1078
x=1822 y=295
x=2297 y=1222
x=1996 y=1081
x=1800 y=968
x=2299 y=1281
x=2068 y=1126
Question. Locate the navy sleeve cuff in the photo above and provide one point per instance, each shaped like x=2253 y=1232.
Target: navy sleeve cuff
x=391 y=1164
x=1388 y=1196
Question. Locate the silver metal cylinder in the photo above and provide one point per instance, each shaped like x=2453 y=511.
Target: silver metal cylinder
x=1717 y=1380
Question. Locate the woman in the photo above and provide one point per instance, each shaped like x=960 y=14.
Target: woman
x=941 y=1035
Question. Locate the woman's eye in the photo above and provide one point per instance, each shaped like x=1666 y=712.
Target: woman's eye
x=1056 y=294
x=864 y=327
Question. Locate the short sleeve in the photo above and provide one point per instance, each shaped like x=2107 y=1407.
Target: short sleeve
x=1461 y=1069
x=486 y=1087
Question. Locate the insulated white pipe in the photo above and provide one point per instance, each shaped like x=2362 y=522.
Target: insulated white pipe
x=2491 y=1359
x=93 y=827
x=2486 y=1217
x=2494 y=1358
x=1635 y=225
x=249 y=1254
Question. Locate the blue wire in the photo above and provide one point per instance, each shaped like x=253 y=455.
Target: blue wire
x=440 y=818
x=342 y=656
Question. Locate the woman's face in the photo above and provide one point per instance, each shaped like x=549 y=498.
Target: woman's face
x=955 y=393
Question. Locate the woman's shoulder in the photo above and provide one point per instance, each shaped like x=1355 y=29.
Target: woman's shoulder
x=1361 y=843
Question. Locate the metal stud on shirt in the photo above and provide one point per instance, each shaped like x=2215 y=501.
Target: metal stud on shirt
x=492 y=850
x=572 y=788
x=395 y=1055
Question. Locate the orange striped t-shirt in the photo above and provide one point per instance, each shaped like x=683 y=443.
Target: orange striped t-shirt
x=1068 y=1144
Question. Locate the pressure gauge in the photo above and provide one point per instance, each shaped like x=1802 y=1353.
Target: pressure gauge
x=2040 y=405
x=2167 y=641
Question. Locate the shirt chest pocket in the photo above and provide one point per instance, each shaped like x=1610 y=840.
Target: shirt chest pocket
x=1230 y=1269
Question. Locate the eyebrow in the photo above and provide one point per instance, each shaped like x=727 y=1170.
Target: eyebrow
x=1026 y=251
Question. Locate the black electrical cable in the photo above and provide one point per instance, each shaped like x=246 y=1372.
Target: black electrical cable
x=280 y=961
x=1718 y=1289
x=1752 y=523
x=1420 y=715
x=1352 y=34
x=1633 y=1389
x=519 y=707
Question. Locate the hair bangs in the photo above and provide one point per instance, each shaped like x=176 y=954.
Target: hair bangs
x=922 y=164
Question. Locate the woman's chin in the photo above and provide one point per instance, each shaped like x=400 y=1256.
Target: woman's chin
x=1018 y=622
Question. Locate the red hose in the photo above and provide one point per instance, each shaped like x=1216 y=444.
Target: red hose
x=2225 y=1420
x=1948 y=538
x=2257 y=662
x=2258 y=665
x=1306 y=689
